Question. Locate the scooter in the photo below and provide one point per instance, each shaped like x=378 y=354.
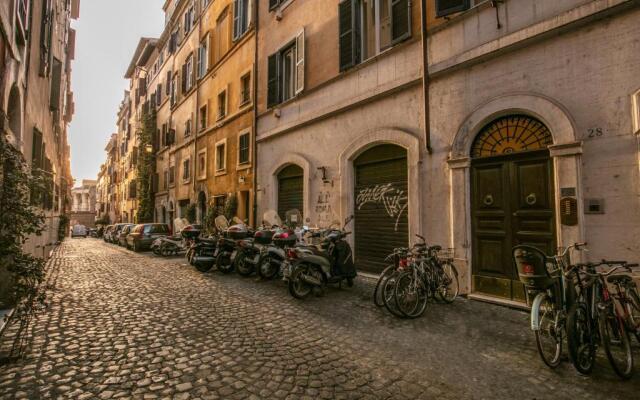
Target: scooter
x=313 y=267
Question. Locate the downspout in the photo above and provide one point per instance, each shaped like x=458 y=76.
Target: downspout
x=425 y=77
x=255 y=116
x=194 y=124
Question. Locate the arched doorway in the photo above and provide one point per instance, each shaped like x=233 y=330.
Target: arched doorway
x=202 y=207
x=512 y=200
x=290 y=189
x=381 y=205
x=170 y=211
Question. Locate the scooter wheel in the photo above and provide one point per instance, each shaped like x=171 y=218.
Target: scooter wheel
x=298 y=288
x=223 y=263
x=242 y=266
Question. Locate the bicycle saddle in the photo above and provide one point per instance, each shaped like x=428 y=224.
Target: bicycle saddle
x=619 y=278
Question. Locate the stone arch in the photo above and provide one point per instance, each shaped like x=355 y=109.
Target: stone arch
x=365 y=142
x=302 y=162
x=14 y=113
x=550 y=113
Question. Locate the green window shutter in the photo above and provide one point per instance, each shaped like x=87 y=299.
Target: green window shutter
x=347 y=34
x=446 y=7
x=273 y=92
x=400 y=20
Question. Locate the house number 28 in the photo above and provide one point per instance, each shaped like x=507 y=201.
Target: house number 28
x=595 y=132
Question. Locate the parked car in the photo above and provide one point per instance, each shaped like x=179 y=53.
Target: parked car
x=143 y=235
x=93 y=232
x=122 y=236
x=106 y=235
x=115 y=234
x=79 y=230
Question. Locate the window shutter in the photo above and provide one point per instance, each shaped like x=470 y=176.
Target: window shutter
x=446 y=7
x=273 y=95
x=184 y=78
x=300 y=53
x=400 y=20
x=347 y=38
x=36 y=149
x=237 y=18
x=227 y=100
x=56 y=85
x=168 y=88
x=249 y=12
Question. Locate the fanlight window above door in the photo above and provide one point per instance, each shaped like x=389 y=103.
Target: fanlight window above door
x=511 y=134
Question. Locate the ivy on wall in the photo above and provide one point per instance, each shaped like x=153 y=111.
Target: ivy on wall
x=19 y=219
x=146 y=167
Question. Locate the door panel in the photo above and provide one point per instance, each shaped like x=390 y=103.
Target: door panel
x=512 y=203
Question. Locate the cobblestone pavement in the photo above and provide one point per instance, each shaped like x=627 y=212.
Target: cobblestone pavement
x=126 y=325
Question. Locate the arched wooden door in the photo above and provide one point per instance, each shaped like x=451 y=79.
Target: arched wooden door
x=512 y=201
x=381 y=205
x=290 y=189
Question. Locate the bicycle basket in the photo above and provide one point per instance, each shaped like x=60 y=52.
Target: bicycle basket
x=532 y=270
x=446 y=254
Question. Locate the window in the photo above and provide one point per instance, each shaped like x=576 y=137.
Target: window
x=56 y=85
x=203 y=57
x=244 y=142
x=174 y=90
x=203 y=118
x=245 y=89
x=205 y=3
x=46 y=27
x=447 y=7
x=169 y=80
x=241 y=18
x=188 y=21
x=273 y=4
x=285 y=71
x=368 y=27
x=222 y=104
x=187 y=74
x=186 y=170
x=221 y=152
x=172 y=175
x=159 y=94
x=202 y=164
x=187 y=128
x=221 y=36
x=173 y=41
x=165 y=184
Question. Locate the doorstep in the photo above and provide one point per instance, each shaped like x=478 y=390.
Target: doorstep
x=5 y=315
x=499 y=301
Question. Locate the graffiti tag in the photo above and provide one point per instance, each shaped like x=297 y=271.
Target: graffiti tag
x=395 y=201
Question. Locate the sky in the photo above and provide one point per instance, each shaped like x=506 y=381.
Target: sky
x=108 y=32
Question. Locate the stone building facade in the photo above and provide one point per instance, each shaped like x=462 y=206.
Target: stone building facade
x=37 y=46
x=83 y=204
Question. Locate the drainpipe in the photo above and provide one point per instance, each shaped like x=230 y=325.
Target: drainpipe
x=194 y=124
x=255 y=116
x=425 y=77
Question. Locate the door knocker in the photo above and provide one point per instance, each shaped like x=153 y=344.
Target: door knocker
x=531 y=199
x=488 y=200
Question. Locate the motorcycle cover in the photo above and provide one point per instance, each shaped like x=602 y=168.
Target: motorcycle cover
x=344 y=260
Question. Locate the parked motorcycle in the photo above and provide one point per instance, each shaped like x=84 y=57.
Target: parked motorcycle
x=313 y=267
x=202 y=253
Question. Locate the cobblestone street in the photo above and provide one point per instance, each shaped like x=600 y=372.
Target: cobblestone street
x=127 y=325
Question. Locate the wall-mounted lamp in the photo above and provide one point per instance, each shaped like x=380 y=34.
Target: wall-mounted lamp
x=325 y=179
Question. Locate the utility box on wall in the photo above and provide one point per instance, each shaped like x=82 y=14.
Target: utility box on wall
x=594 y=206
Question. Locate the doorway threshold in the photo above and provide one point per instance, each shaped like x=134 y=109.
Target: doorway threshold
x=499 y=301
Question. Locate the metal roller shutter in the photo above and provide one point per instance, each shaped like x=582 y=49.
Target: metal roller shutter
x=290 y=190
x=381 y=205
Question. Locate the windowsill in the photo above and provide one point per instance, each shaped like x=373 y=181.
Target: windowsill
x=245 y=103
x=221 y=172
x=243 y=166
x=202 y=178
x=184 y=182
x=220 y=118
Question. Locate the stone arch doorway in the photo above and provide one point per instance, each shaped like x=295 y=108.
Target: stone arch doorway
x=202 y=207
x=14 y=114
x=512 y=200
x=381 y=206
x=290 y=189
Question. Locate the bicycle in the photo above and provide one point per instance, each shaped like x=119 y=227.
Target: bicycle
x=431 y=275
x=547 y=278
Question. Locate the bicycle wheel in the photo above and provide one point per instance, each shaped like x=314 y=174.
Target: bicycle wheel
x=615 y=340
x=378 y=300
x=410 y=298
x=633 y=307
x=550 y=332
x=449 y=286
x=388 y=293
x=580 y=338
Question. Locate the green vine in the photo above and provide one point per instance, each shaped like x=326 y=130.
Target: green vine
x=21 y=190
x=146 y=168
x=231 y=207
x=63 y=227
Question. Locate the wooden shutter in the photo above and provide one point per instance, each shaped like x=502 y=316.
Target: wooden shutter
x=300 y=55
x=168 y=88
x=36 y=149
x=273 y=92
x=142 y=84
x=347 y=32
x=446 y=7
x=184 y=78
x=400 y=20
x=56 y=85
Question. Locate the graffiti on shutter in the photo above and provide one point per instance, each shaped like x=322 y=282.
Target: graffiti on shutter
x=394 y=200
